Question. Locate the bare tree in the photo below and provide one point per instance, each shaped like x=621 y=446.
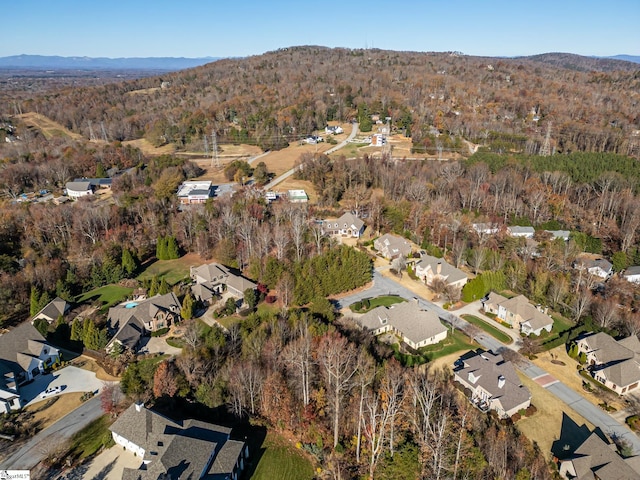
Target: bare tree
x=581 y=303
x=297 y=356
x=298 y=231
x=604 y=312
x=338 y=364
x=281 y=239
x=364 y=378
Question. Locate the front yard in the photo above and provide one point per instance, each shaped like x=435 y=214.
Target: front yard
x=490 y=329
x=384 y=301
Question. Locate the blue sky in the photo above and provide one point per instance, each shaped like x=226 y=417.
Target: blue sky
x=199 y=28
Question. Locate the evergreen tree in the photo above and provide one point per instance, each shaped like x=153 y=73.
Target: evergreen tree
x=34 y=301
x=153 y=288
x=42 y=326
x=76 y=330
x=188 y=307
x=163 y=287
x=161 y=248
x=250 y=298
x=172 y=248
x=128 y=263
x=63 y=291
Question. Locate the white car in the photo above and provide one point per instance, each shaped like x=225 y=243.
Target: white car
x=49 y=392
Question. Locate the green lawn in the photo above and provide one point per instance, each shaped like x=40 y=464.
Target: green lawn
x=173 y=271
x=490 y=329
x=385 y=301
x=452 y=344
x=91 y=438
x=108 y=296
x=281 y=461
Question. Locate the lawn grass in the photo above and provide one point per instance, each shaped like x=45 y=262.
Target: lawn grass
x=385 y=300
x=490 y=329
x=108 y=296
x=282 y=461
x=173 y=271
x=91 y=438
x=455 y=342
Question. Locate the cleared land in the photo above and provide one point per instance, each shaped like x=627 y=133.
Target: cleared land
x=544 y=426
x=172 y=270
x=48 y=127
x=294 y=184
x=147 y=149
x=490 y=329
x=282 y=460
x=107 y=296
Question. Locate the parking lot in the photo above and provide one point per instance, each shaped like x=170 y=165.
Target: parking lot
x=70 y=379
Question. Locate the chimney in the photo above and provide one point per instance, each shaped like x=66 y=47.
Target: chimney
x=139 y=406
x=439 y=268
x=501 y=381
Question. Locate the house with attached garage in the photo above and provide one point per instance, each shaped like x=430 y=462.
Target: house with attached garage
x=632 y=274
x=598 y=267
x=429 y=268
x=130 y=321
x=212 y=279
x=417 y=327
x=168 y=449
x=392 y=246
x=24 y=354
x=53 y=310
x=614 y=363
x=518 y=313
x=348 y=225
x=493 y=382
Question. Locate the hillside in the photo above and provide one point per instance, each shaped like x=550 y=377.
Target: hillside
x=275 y=98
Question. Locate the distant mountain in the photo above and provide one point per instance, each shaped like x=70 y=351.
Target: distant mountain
x=581 y=63
x=88 y=63
x=627 y=58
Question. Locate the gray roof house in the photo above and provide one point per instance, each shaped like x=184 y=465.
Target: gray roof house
x=54 y=309
x=392 y=246
x=596 y=460
x=428 y=268
x=24 y=354
x=494 y=384
x=347 y=225
x=615 y=363
x=563 y=234
x=76 y=190
x=518 y=313
x=599 y=267
x=517 y=231
x=129 y=321
x=632 y=274
x=171 y=450
x=417 y=327
x=213 y=278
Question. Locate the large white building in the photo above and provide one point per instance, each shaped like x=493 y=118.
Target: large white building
x=195 y=191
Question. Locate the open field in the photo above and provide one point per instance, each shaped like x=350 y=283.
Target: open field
x=107 y=296
x=172 y=270
x=544 y=426
x=48 y=127
x=147 y=149
x=456 y=342
x=490 y=329
x=568 y=375
x=281 y=460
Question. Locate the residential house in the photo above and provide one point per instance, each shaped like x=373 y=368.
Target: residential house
x=297 y=196
x=615 y=363
x=97 y=182
x=599 y=267
x=194 y=192
x=335 y=130
x=632 y=274
x=24 y=354
x=53 y=310
x=76 y=190
x=518 y=313
x=392 y=246
x=485 y=228
x=430 y=268
x=171 y=449
x=347 y=225
x=417 y=327
x=313 y=139
x=378 y=140
x=130 y=321
x=212 y=278
x=524 y=232
x=555 y=234
x=494 y=384
x=596 y=459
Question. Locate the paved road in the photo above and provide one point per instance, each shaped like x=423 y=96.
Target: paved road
x=253 y=159
x=599 y=418
x=37 y=448
x=287 y=174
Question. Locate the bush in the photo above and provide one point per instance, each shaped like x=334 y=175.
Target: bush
x=357 y=306
x=270 y=299
x=160 y=332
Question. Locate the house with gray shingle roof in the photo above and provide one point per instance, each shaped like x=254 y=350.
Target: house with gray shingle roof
x=517 y=231
x=24 y=354
x=596 y=459
x=76 y=190
x=599 y=267
x=518 y=313
x=429 y=268
x=615 y=363
x=632 y=274
x=417 y=327
x=171 y=449
x=347 y=225
x=130 y=321
x=213 y=278
x=54 y=309
x=494 y=384
x=392 y=246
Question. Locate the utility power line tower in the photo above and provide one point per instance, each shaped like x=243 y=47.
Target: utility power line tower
x=545 y=151
x=214 y=150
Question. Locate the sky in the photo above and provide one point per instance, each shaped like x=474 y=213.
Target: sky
x=215 y=28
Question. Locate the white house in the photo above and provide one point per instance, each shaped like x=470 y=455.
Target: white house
x=563 y=234
x=518 y=313
x=76 y=190
x=297 y=196
x=347 y=225
x=335 y=130
x=429 y=268
x=485 y=228
x=525 y=232
x=417 y=327
x=599 y=267
x=632 y=274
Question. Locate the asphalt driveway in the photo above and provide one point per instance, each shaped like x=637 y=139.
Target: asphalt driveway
x=71 y=379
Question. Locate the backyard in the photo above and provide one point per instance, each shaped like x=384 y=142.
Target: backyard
x=280 y=459
x=105 y=297
x=173 y=271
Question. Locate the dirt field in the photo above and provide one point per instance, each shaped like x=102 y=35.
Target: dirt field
x=568 y=375
x=144 y=91
x=544 y=426
x=48 y=127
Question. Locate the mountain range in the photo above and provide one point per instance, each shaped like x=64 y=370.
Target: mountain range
x=88 y=63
